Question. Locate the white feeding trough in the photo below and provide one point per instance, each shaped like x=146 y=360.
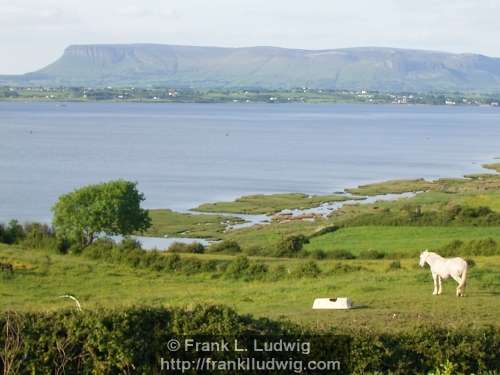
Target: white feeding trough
x=341 y=303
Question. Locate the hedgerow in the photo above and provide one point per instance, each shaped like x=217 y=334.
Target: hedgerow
x=484 y=247
x=135 y=340
x=413 y=215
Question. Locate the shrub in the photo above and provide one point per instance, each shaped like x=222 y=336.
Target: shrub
x=191 y=265
x=237 y=267
x=485 y=247
x=149 y=259
x=451 y=248
x=173 y=262
x=412 y=214
x=341 y=254
x=132 y=341
x=279 y=272
x=129 y=252
x=371 y=254
x=134 y=259
x=423 y=349
x=115 y=342
x=291 y=245
x=38 y=236
x=129 y=244
x=213 y=265
x=254 y=250
x=177 y=247
x=193 y=248
x=318 y=254
x=394 y=265
x=470 y=262
x=342 y=267
x=62 y=245
x=307 y=269
x=196 y=248
x=12 y=233
x=34 y=235
x=74 y=248
x=256 y=271
x=100 y=249
x=242 y=268
x=226 y=246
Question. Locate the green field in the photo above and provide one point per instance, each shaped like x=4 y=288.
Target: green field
x=269 y=204
x=268 y=235
x=392 y=299
x=397 y=239
x=170 y=223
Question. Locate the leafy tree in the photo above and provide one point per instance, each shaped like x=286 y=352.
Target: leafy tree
x=112 y=208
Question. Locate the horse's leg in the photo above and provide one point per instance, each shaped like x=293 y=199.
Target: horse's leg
x=457 y=279
x=435 y=278
x=440 y=284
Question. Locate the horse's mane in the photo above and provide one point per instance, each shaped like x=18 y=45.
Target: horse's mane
x=433 y=254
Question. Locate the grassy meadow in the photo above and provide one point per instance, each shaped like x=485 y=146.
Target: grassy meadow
x=395 y=294
x=392 y=298
x=408 y=240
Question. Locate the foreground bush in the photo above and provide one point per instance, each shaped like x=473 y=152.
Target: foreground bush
x=111 y=342
x=135 y=340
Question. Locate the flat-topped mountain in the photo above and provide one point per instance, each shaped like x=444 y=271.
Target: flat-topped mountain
x=385 y=69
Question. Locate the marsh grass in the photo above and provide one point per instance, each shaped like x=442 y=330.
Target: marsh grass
x=269 y=204
x=171 y=223
x=494 y=166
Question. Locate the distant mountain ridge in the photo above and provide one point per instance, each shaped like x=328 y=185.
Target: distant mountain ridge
x=372 y=68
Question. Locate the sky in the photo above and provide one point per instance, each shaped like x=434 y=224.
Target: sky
x=34 y=33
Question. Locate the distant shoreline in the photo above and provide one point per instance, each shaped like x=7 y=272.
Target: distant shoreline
x=166 y=95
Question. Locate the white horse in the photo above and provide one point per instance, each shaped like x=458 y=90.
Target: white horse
x=442 y=268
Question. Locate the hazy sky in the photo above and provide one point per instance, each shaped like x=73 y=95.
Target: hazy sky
x=33 y=33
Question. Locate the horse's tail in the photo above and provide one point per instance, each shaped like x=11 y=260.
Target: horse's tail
x=464 y=277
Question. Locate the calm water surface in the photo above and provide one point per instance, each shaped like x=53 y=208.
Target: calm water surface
x=185 y=154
